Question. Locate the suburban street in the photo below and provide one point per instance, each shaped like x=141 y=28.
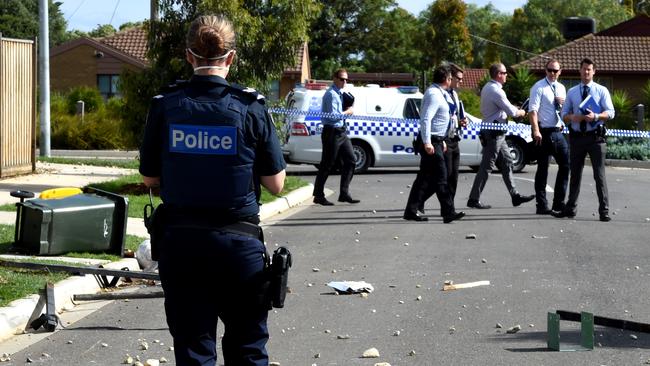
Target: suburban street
x=535 y=265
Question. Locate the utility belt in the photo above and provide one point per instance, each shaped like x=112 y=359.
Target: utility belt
x=337 y=129
x=437 y=139
x=550 y=129
x=273 y=289
x=418 y=146
x=206 y=218
x=599 y=131
x=454 y=138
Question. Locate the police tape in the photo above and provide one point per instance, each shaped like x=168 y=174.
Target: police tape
x=517 y=128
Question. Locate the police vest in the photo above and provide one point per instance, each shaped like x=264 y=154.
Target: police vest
x=205 y=159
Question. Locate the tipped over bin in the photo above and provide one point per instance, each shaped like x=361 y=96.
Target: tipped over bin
x=93 y=221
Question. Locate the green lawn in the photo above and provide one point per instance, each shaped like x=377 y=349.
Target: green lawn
x=137 y=202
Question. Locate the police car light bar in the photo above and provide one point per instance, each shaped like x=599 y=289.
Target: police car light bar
x=315 y=86
x=299 y=129
x=408 y=89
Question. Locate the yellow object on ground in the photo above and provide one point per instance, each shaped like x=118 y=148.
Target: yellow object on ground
x=55 y=193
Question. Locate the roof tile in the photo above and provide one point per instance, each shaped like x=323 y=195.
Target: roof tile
x=611 y=54
x=132 y=41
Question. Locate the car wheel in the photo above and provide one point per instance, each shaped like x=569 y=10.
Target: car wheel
x=518 y=155
x=362 y=156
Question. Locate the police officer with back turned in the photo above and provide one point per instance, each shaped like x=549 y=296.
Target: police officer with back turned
x=205 y=143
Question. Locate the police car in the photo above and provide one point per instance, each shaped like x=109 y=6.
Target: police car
x=378 y=131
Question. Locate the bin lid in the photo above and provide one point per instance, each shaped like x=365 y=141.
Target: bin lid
x=71 y=202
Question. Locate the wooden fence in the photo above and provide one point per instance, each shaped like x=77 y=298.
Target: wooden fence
x=18 y=77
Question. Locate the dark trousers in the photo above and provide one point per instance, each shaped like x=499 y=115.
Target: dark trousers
x=336 y=145
x=452 y=161
x=209 y=275
x=553 y=144
x=596 y=148
x=432 y=177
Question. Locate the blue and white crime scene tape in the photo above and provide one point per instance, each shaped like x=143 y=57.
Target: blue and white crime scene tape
x=374 y=125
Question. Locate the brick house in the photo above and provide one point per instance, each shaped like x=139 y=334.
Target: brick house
x=98 y=62
x=620 y=54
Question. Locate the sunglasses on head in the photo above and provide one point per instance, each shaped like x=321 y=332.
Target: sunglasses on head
x=554 y=71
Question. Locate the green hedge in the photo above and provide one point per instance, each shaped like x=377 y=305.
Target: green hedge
x=628 y=148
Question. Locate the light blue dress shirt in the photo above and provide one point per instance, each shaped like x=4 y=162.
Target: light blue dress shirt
x=332 y=103
x=542 y=101
x=434 y=119
x=495 y=106
x=574 y=98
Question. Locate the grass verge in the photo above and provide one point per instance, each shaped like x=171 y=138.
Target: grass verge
x=16 y=283
x=137 y=202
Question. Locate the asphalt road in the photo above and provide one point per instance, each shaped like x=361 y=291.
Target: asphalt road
x=535 y=264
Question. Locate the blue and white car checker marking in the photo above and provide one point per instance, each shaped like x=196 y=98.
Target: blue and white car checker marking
x=383 y=127
x=363 y=125
x=210 y=140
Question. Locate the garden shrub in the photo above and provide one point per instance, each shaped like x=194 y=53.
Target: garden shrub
x=92 y=99
x=623 y=118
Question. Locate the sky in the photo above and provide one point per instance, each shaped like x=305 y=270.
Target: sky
x=85 y=15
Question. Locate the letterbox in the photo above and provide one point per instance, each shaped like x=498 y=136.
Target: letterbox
x=93 y=221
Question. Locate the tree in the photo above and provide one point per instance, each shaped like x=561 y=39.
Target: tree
x=19 y=19
x=130 y=25
x=102 y=30
x=446 y=35
x=395 y=48
x=267 y=36
x=492 y=53
x=340 y=35
x=479 y=23
x=537 y=26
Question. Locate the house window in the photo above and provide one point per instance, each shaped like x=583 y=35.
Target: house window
x=107 y=85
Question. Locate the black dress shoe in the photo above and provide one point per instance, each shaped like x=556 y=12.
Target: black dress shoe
x=543 y=211
x=323 y=201
x=414 y=217
x=558 y=207
x=348 y=199
x=477 y=204
x=563 y=213
x=605 y=218
x=455 y=216
x=518 y=199
x=421 y=210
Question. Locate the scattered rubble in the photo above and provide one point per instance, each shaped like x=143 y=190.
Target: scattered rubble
x=513 y=330
x=370 y=353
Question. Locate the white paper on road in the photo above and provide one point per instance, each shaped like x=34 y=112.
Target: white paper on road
x=351 y=287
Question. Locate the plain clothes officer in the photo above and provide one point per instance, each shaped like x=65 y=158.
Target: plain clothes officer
x=587 y=137
x=336 y=144
x=546 y=100
x=452 y=140
x=204 y=144
x=434 y=127
x=495 y=108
